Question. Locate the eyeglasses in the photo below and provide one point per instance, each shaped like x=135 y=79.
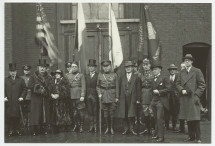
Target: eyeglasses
x=74 y=66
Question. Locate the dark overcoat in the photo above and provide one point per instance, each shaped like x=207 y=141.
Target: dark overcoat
x=194 y=83
x=14 y=89
x=39 y=100
x=134 y=95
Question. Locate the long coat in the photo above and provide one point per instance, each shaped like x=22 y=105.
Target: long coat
x=194 y=83
x=39 y=100
x=14 y=89
x=60 y=108
x=134 y=95
x=163 y=86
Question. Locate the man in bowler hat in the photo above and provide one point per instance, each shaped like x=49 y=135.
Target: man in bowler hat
x=160 y=88
x=191 y=85
x=14 y=94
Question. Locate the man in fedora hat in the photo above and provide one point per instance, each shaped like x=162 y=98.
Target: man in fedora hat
x=160 y=89
x=146 y=97
x=173 y=98
x=14 y=94
x=191 y=85
x=91 y=95
x=39 y=84
x=26 y=102
x=108 y=92
x=77 y=95
x=129 y=97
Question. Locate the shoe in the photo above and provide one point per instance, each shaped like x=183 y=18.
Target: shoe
x=160 y=139
x=111 y=131
x=75 y=128
x=34 y=134
x=91 y=129
x=133 y=132
x=106 y=131
x=189 y=139
x=199 y=141
x=144 y=132
x=141 y=123
x=10 y=133
x=18 y=133
x=125 y=132
x=155 y=137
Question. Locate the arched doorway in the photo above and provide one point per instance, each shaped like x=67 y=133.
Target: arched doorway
x=202 y=54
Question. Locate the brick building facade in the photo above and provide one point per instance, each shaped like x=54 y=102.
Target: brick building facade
x=178 y=25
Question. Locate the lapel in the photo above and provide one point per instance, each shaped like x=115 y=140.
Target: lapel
x=132 y=80
x=159 y=80
x=186 y=77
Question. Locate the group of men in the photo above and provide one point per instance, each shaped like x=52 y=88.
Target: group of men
x=127 y=96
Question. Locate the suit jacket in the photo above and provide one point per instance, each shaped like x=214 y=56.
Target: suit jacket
x=194 y=83
x=91 y=86
x=163 y=86
x=134 y=93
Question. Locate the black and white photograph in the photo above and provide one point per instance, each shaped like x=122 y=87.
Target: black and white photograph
x=107 y=72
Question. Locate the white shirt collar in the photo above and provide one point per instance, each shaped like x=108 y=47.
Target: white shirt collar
x=188 y=68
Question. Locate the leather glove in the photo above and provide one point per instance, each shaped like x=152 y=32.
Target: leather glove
x=20 y=99
x=82 y=99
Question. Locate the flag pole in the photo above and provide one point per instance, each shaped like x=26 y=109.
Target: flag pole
x=110 y=37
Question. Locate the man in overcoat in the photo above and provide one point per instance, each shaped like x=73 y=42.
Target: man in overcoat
x=173 y=98
x=108 y=92
x=39 y=84
x=129 y=97
x=160 y=88
x=191 y=85
x=14 y=94
x=91 y=95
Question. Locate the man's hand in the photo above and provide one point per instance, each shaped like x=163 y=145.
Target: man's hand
x=138 y=102
x=82 y=99
x=117 y=99
x=100 y=96
x=184 y=92
x=20 y=99
x=5 y=99
x=155 y=91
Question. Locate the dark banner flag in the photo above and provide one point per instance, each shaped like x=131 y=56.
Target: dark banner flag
x=143 y=44
x=154 y=46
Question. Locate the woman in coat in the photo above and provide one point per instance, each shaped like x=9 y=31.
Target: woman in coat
x=59 y=90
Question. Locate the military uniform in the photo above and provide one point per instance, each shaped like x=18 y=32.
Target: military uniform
x=107 y=86
x=77 y=90
x=146 y=98
x=26 y=102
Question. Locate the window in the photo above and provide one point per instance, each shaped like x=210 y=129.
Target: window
x=99 y=10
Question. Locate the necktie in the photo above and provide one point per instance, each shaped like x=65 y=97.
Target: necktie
x=91 y=75
x=128 y=76
x=155 y=78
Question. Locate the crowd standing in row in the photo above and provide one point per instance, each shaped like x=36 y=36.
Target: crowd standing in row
x=59 y=100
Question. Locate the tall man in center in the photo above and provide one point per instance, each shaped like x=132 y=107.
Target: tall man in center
x=77 y=94
x=108 y=92
x=129 y=97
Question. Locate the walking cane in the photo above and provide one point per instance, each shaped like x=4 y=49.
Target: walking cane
x=44 y=112
x=21 y=113
x=100 y=117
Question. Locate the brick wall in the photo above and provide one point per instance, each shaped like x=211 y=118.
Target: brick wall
x=176 y=24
